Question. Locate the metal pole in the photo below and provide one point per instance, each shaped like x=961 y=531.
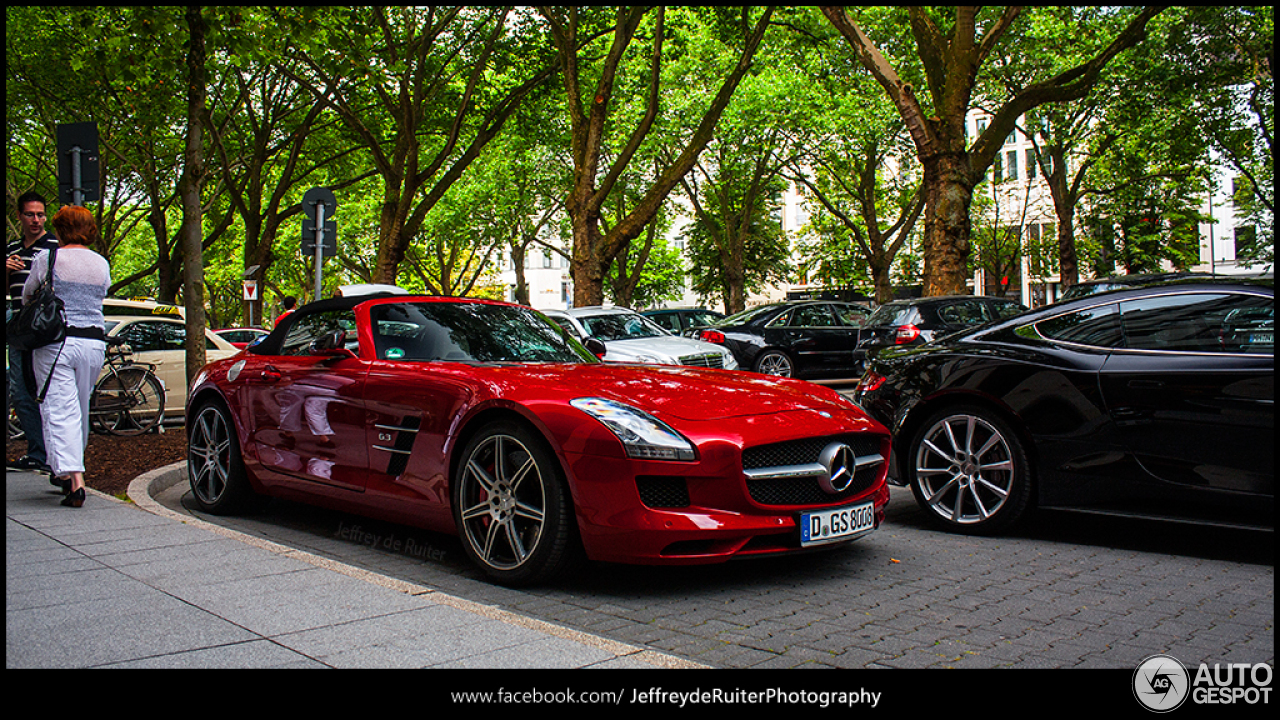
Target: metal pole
x=319 y=249
x=77 y=193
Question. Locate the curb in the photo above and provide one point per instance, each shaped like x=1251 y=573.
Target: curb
x=144 y=487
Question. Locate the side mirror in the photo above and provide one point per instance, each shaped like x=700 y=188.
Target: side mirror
x=331 y=344
x=595 y=346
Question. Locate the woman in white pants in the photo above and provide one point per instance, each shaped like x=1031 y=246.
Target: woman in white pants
x=81 y=278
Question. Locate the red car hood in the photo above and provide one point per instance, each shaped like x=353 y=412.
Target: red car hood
x=683 y=392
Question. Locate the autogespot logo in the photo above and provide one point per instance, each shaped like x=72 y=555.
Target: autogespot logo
x=1161 y=683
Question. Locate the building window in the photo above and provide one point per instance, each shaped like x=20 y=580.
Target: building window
x=1011 y=162
x=1032 y=166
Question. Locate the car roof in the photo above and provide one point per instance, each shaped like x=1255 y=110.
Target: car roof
x=599 y=310
x=1184 y=285
x=118 y=308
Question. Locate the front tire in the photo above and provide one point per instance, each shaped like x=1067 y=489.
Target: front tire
x=214 y=465
x=512 y=506
x=969 y=470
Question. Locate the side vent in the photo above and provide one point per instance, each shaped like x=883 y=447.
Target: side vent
x=405 y=433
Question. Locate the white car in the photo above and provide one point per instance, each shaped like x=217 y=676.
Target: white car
x=629 y=337
x=157 y=334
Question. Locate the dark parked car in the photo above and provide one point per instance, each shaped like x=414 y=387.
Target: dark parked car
x=919 y=320
x=677 y=320
x=1156 y=401
x=794 y=339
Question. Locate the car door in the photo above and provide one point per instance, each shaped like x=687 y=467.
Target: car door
x=1193 y=398
x=310 y=421
x=820 y=342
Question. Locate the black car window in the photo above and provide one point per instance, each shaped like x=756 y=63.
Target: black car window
x=470 y=332
x=1096 y=326
x=894 y=314
x=306 y=329
x=852 y=315
x=966 y=312
x=152 y=336
x=1200 y=322
x=670 y=321
x=1007 y=309
x=813 y=316
x=620 y=326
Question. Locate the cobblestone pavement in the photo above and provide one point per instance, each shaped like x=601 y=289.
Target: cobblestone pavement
x=1071 y=591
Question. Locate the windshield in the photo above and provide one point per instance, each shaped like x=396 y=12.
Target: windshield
x=470 y=332
x=747 y=315
x=892 y=314
x=620 y=326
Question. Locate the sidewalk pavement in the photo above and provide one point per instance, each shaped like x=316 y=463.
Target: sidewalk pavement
x=119 y=584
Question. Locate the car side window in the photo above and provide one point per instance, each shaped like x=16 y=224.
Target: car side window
x=307 y=329
x=1004 y=310
x=968 y=312
x=851 y=315
x=670 y=321
x=1200 y=322
x=813 y=316
x=153 y=336
x=1096 y=326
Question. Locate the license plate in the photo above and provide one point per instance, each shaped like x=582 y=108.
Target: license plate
x=839 y=524
x=1262 y=339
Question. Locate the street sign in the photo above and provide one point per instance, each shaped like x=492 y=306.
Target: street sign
x=250 y=289
x=329 y=246
x=319 y=232
x=78 y=163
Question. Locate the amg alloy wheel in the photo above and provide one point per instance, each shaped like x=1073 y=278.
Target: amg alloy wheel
x=512 y=506
x=214 y=466
x=968 y=469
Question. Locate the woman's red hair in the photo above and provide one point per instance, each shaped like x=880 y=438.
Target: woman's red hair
x=74 y=225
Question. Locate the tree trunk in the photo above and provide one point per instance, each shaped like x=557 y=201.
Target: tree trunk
x=948 y=194
x=189 y=190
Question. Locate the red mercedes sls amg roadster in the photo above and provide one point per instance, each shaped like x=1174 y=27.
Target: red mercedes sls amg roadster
x=484 y=419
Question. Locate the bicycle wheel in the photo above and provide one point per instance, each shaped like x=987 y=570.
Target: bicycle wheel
x=127 y=402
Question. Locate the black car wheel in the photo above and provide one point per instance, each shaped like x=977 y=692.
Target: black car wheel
x=969 y=470
x=214 y=465
x=512 y=506
x=775 y=362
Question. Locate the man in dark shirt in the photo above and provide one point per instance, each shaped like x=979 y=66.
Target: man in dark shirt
x=18 y=255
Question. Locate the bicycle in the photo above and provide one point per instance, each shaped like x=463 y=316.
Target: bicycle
x=129 y=398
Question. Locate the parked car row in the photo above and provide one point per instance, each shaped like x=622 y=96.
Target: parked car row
x=503 y=425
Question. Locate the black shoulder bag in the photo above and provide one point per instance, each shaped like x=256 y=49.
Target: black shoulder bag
x=41 y=321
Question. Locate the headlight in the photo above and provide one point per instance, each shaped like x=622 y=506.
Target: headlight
x=643 y=436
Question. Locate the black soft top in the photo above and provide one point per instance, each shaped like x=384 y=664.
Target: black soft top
x=270 y=345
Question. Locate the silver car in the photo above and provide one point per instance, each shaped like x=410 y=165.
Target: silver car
x=629 y=337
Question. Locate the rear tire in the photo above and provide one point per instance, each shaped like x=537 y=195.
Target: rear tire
x=214 y=465
x=775 y=362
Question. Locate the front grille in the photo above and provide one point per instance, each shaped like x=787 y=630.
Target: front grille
x=799 y=471
x=709 y=360
x=663 y=492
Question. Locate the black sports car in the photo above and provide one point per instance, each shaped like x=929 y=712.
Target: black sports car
x=1155 y=401
x=793 y=339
